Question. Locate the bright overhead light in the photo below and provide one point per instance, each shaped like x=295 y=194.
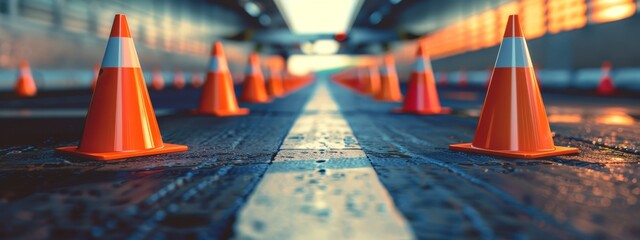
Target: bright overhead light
x=375 y=18
x=326 y=46
x=264 y=20
x=307 y=48
x=252 y=9
x=319 y=16
x=303 y=64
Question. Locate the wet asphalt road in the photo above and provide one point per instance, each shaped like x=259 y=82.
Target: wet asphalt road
x=442 y=194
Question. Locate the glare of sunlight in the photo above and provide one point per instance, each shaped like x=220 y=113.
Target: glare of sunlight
x=303 y=64
x=319 y=16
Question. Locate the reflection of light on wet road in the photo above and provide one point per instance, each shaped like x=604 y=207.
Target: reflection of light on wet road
x=565 y=118
x=608 y=116
x=321 y=185
x=460 y=96
x=615 y=118
x=472 y=112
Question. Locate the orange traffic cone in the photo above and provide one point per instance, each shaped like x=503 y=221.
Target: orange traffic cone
x=372 y=82
x=422 y=95
x=196 y=80
x=121 y=122
x=274 y=84
x=513 y=122
x=96 y=72
x=178 y=79
x=157 y=80
x=389 y=84
x=463 y=80
x=218 y=97
x=253 y=88
x=606 y=87
x=25 y=86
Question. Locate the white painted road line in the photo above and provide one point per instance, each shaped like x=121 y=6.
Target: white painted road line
x=321 y=185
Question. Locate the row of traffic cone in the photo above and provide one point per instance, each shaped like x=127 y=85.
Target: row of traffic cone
x=121 y=122
x=513 y=121
x=381 y=85
x=257 y=89
x=360 y=82
x=605 y=85
x=26 y=87
x=422 y=96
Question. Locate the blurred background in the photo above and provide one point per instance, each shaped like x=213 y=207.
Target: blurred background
x=569 y=40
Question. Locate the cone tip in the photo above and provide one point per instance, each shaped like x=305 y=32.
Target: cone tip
x=254 y=59
x=513 y=28
x=388 y=59
x=421 y=52
x=120 y=26
x=23 y=64
x=217 y=49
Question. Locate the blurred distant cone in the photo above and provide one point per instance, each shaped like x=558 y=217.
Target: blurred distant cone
x=442 y=78
x=218 y=97
x=274 y=83
x=253 y=87
x=121 y=122
x=96 y=72
x=513 y=121
x=389 y=84
x=157 y=80
x=372 y=82
x=178 y=79
x=294 y=82
x=25 y=86
x=349 y=78
x=422 y=95
x=606 y=87
x=196 y=80
x=341 y=74
x=463 y=79
x=362 y=79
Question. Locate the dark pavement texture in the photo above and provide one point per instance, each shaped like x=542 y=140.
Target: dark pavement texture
x=443 y=194
x=447 y=194
x=189 y=194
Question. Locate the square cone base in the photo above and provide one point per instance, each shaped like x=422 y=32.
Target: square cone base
x=224 y=113
x=443 y=110
x=467 y=147
x=167 y=148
